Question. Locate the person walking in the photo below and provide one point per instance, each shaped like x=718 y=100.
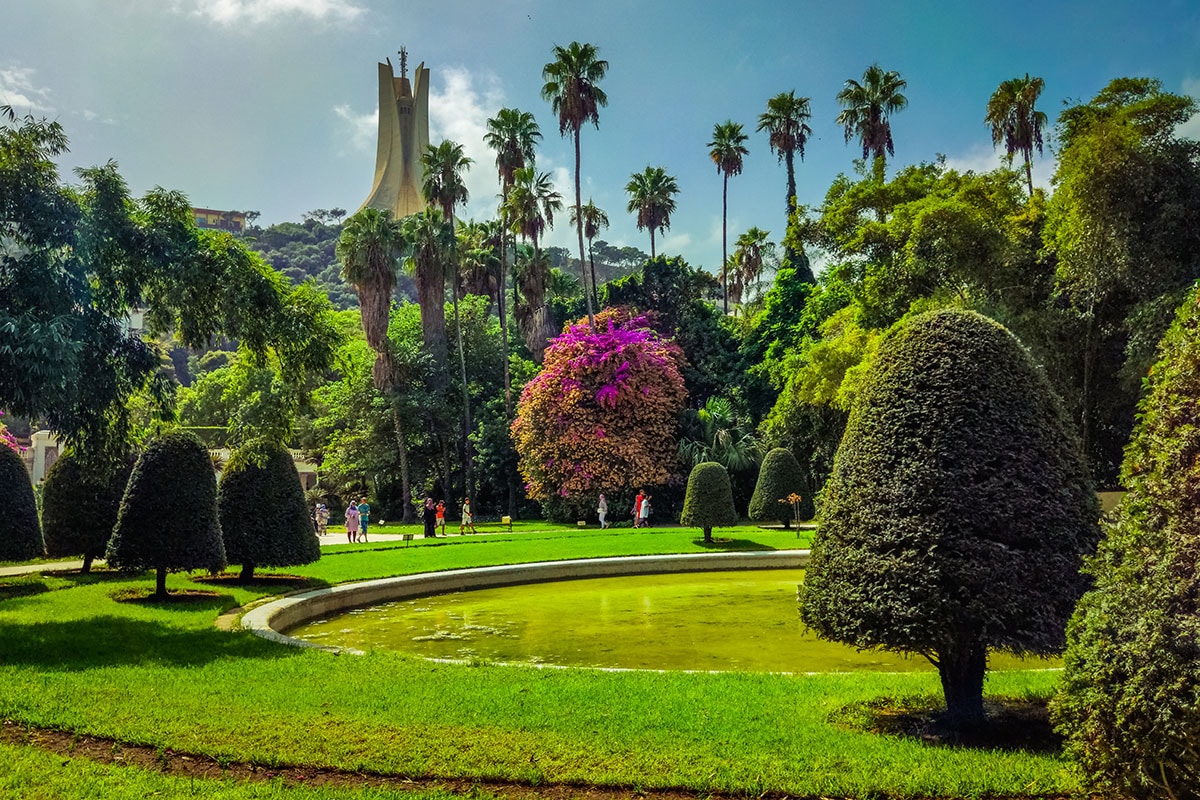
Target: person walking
x=441 y=517
x=467 y=520
x=322 y=519
x=364 y=516
x=644 y=513
x=602 y=511
x=637 y=507
x=352 y=523
x=429 y=517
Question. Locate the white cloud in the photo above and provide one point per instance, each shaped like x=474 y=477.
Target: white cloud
x=983 y=158
x=459 y=112
x=18 y=90
x=362 y=128
x=1191 y=128
x=257 y=12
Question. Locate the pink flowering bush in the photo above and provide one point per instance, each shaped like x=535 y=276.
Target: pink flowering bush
x=6 y=437
x=601 y=414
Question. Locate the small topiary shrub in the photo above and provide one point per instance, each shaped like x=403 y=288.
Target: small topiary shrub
x=1129 y=705
x=780 y=477
x=708 y=503
x=79 y=510
x=168 y=516
x=263 y=513
x=959 y=510
x=20 y=534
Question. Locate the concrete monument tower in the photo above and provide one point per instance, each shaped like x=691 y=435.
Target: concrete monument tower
x=403 y=138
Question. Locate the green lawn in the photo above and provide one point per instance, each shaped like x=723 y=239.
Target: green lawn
x=73 y=657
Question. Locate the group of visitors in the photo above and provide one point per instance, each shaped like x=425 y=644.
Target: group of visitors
x=434 y=517
x=321 y=518
x=641 y=510
x=358 y=518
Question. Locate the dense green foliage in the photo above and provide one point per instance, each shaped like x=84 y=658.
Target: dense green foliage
x=168 y=516
x=959 y=509
x=20 y=533
x=708 y=503
x=79 y=508
x=780 y=477
x=265 y=521
x=1130 y=699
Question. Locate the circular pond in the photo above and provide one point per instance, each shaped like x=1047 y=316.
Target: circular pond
x=743 y=621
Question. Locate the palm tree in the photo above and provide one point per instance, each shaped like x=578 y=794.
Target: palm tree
x=530 y=208
x=1016 y=122
x=369 y=248
x=480 y=268
x=652 y=198
x=444 y=186
x=719 y=434
x=753 y=252
x=786 y=123
x=727 y=149
x=866 y=111
x=594 y=219
x=513 y=134
x=428 y=245
x=571 y=89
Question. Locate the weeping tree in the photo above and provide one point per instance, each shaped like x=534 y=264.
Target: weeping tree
x=959 y=510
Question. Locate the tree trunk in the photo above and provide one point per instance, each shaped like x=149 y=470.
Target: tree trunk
x=447 y=485
x=652 y=243
x=961 y=667
x=160 y=584
x=247 y=574
x=1029 y=174
x=87 y=564
x=708 y=535
x=468 y=448
x=724 y=249
x=790 y=158
x=592 y=264
x=402 y=450
x=579 y=230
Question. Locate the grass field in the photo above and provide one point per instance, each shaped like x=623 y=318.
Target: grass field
x=86 y=655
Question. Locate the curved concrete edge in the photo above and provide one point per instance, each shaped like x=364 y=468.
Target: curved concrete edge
x=268 y=619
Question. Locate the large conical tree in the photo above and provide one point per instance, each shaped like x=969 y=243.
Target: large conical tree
x=959 y=510
x=20 y=533
x=1129 y=705
x=168 y=517
x=572 y=89
x=780 y=478
x=264 y=518
x=708 y=502
x=79 y=508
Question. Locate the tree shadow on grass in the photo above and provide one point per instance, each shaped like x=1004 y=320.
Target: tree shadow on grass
x=274 y=583
x=733 y=545
x=1012 y=724
x=111 y=641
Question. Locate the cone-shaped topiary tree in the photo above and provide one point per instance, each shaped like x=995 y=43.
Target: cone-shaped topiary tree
x=959 y=509
x=79 y=509
x=168 y=516
x=20 y=534
x=779 y=478
x=1129 y=705
x=264 y=517
x=708 y=503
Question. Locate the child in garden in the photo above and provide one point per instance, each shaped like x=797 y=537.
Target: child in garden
x=352 y=522
x=441 y=517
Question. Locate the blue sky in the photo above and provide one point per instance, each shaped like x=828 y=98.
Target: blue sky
x=269 y=105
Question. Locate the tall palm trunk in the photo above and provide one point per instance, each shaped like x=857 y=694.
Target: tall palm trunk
x=579 y=230
x=790 y=159
x=402 y=450
x=592 y=265
x=652 y=242
x=1029 y=174
x=725 y=243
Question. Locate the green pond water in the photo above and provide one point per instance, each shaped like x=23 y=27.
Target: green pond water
x=741 y=621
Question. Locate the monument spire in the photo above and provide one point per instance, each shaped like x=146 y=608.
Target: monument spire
x=403 y=137
x=403 y=61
